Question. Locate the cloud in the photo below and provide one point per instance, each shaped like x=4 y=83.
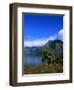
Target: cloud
x=52 y=37
x=38 y=42
x=41 y=42
x=60 y=35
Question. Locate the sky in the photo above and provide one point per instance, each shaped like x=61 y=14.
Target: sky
x=38 y=29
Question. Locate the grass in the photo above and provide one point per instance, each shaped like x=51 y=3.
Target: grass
x=51 y=68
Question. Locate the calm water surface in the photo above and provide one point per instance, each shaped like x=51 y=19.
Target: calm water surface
x=32 y=60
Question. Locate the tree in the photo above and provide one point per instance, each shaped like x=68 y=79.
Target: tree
x=48 y=57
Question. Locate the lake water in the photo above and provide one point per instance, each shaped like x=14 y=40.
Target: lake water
x=32 y=60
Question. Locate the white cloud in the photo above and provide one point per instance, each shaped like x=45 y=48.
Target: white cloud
x=40 y=42
x=53 y=37
x=60 y=35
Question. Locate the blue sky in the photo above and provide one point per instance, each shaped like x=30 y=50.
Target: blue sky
x=41 y=27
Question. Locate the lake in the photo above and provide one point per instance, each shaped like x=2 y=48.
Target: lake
x=32 y=60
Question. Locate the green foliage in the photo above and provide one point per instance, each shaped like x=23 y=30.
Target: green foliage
x=48 y=57
x=53 y=52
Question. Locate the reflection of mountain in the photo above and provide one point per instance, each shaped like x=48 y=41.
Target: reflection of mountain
x=54 y=46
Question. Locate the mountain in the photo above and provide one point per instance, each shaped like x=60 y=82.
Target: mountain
x=55 y=47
